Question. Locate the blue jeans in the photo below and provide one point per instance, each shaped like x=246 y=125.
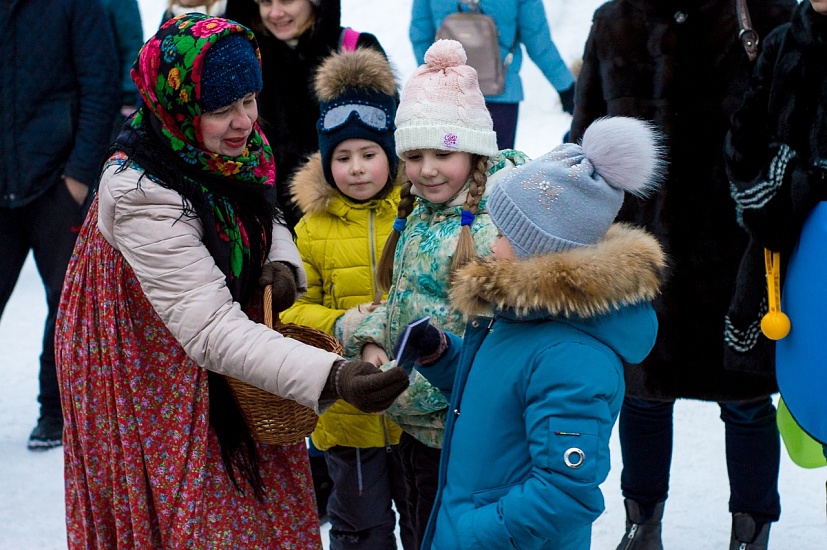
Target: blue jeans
x=753 y=454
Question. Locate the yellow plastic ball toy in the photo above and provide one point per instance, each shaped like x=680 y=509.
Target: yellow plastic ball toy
x=775 y=325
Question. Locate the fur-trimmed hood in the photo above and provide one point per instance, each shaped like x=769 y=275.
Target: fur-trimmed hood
x=311 y=192
x=624 y=269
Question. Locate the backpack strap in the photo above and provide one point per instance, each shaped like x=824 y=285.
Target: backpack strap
x=348 y=40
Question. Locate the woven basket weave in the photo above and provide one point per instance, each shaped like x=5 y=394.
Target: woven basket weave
x=273 y=419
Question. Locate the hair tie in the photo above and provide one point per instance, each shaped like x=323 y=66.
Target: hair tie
x=467 y=218
x=399 y=224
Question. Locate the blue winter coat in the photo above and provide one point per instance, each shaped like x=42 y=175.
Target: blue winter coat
x=59 y=93
x=536 y=390
x=523 y=21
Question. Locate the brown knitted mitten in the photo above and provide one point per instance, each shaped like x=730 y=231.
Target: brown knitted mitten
x=364 y=385
x=283 y=278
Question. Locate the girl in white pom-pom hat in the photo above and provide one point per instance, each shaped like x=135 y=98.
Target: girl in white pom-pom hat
x=445 y=136
x=536 y=388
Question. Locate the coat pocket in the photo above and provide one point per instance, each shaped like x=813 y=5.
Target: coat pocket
x=490 y=496
x=572 y=448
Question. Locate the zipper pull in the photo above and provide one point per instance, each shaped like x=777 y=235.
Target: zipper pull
x=388 y=448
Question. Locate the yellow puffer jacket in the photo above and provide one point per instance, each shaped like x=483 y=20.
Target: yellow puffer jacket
x=340 y=242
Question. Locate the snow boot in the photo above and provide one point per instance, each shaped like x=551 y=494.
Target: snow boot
x=747 y=534
x=48 y=433
x=642 y=533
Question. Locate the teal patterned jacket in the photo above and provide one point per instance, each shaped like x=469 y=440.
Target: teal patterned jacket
x=421 y=269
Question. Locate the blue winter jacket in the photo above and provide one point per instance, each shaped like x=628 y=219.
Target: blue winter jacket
x=535 y=393
x=59 y=93
x=521 y=20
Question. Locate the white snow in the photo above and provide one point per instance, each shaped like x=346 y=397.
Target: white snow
x=31 y=484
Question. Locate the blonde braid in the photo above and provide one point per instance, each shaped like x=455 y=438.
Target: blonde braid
x=384 y=271
x=466 y=251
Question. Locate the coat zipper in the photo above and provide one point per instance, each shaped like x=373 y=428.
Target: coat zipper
x=372 y=252
x=388 y=448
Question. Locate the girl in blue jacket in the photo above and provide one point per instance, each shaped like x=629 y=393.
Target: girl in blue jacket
x=536 y=389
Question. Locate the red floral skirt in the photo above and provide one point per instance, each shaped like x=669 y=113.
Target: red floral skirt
x=143 y=468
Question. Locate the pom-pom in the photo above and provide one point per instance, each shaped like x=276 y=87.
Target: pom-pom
x=626 y=152
x=445 y=53
x=363 y=69
x=775 y=325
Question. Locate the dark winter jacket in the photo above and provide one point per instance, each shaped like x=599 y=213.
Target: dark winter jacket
x=59 y=94
x=680 y=64
x=784 y=115
x=287 y=104
x=125 y=18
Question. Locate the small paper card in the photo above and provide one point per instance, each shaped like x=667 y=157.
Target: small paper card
x=412 y=331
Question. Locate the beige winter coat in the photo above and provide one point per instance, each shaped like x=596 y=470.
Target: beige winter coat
x=188 y=291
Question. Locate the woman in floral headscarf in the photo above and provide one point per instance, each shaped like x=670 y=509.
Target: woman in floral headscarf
x=158 y=303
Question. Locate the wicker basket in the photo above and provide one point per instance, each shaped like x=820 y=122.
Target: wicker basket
x=273 y=419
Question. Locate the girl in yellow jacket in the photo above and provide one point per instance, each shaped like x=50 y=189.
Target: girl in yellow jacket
x=349 y=197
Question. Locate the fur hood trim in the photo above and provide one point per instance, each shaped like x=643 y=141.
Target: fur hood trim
x=363 y=68
x=311 y=192
x=625 y=268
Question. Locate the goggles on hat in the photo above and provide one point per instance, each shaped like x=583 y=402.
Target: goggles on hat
x=369 y=115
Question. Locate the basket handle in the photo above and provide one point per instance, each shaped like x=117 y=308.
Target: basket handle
x=268 y=308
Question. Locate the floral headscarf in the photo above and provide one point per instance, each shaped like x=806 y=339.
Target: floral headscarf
x=168 y=75
x=233 y=196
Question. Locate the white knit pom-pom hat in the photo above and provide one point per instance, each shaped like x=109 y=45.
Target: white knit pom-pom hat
x=570 y=196
x=442 y=106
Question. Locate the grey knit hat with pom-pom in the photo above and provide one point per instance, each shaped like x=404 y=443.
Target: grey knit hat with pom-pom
x=570 y=196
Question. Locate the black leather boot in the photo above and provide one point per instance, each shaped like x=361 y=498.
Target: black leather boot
x=642 y=533
x=747 y=534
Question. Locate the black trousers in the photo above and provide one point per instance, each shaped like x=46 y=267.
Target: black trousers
x=365 y=482
x=420 y=468
x=753 y=454
x=48 y=227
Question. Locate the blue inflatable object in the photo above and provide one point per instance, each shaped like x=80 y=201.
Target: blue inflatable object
x=801 y=357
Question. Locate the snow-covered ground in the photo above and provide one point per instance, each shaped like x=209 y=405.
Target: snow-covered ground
x=31 y=484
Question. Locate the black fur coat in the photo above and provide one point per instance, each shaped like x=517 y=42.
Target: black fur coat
x=287 y=104
x=785 y=108
x=680 y=64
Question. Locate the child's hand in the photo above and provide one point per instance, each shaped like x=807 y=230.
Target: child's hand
x=371 y=307
x=424 y=345
x=372 y=353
